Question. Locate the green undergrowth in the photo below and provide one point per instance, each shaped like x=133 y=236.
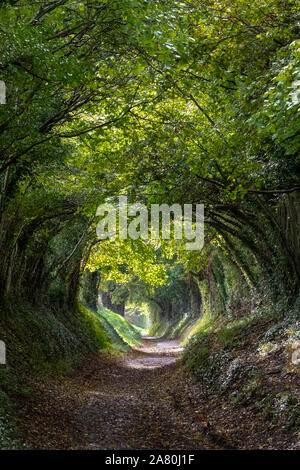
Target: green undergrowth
x=44 y=341
x=123 y=334
x=158 y=327
x=182 y=329
x=231 y=358
x=210 y=334
x=214 y=334
x=201 y=325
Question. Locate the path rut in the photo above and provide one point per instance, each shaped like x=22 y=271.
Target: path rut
x=124 y=412
x=116 y=404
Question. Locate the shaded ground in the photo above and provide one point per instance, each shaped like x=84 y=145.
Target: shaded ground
x=146 y=400
x=116 y=404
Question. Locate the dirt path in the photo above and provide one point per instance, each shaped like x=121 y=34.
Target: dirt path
x=116 y=404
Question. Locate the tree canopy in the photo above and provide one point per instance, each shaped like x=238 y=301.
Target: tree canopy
x=174 y=102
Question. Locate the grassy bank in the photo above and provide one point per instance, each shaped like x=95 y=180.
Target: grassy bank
x=44 y=343
x=124 y=335
x=248 y=365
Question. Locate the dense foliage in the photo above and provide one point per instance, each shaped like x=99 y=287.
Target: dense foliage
x=174 y=102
